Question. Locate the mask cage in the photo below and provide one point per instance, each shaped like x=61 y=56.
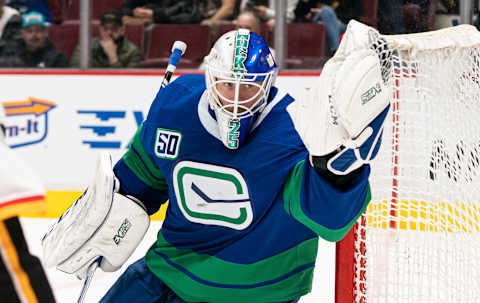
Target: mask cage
x=235 y=108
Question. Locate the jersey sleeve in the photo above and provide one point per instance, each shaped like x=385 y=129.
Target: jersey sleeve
x=328 y=211
x=138 y=174
x=140 y=177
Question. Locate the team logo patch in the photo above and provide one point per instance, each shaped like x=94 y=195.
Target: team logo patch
x=167 y=143
x=212 y=195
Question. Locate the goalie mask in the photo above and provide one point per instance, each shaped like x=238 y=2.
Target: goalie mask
x=240 y=70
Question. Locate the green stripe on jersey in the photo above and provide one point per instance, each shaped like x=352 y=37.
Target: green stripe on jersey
x=204 y=278
x=137 y=159
x=292 y=205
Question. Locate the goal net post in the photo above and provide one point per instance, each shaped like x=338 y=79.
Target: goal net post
x=419 y=239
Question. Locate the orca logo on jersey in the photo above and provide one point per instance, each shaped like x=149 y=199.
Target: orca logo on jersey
x=167 y=143
x=212 y=195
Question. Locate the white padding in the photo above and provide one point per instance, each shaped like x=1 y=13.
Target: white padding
x=314 y=115
x=81 y=220
x=360 y=94
x=115 y=240
x=349 y=94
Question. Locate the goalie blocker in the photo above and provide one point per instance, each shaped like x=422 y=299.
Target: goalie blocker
x=101 y=223
x=341 y=120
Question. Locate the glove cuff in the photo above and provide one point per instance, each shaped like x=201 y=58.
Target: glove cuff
x=341 y=182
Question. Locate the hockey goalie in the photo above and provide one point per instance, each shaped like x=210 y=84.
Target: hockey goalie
x=253 y=178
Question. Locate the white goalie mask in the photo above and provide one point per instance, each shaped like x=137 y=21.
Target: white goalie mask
x=240 y=71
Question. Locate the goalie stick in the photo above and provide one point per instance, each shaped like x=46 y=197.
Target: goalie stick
x=178 y=49
x=88 y=278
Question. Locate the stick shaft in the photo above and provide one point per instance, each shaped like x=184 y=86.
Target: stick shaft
x=88 y=279
x=167 y=78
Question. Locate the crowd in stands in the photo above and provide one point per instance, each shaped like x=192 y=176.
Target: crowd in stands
x=31 y=46
x=111 y=48
x=123 y=29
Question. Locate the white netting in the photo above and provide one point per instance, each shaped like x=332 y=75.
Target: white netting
x=420 y=238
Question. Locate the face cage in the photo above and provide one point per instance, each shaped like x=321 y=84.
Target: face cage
x=240 y=111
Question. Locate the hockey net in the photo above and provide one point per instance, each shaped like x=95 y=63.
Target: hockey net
x=419 y=240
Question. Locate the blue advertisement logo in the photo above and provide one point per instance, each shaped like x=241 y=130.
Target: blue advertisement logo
x=103 y=125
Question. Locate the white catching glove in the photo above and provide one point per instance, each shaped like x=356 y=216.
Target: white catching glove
x=345 y=111
x=101 y=223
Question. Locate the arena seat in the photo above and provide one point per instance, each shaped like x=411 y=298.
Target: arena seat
x=306 y=40
x=306 y=45
x=57 y=9
x=162 y=37
x=224 y=28
x=370 y=10
x=66 y=36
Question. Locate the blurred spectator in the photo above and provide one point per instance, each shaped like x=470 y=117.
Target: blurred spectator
x=41 y=6
x=266 y=13
x=405 y=16
x=327 y=13
x=6 y=13
x=222 y=11
x=57 y=10
x=390 y=17
x=323 y=12
x=303 y=11
x=34 y=49
x=419 y=15
x=449 y=7
x=13 y=28
x=141 y=12
x=111 y=49
x=348 y=9
x=247 y=19
x=163 y=11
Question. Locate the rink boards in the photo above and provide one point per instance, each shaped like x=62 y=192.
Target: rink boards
x=59 y=121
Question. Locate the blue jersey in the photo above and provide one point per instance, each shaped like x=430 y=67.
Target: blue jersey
x=241 y=225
